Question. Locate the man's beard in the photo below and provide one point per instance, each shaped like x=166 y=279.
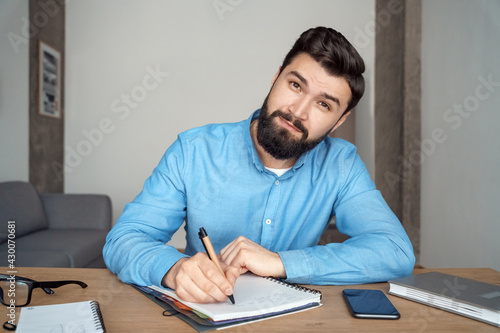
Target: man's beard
x=279 y=142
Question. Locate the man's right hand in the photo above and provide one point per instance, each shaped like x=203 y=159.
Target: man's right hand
x=197 y=279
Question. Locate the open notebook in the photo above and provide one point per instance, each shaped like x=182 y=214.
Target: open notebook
x=254 y=297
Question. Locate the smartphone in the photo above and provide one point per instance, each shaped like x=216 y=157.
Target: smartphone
x=368 y=303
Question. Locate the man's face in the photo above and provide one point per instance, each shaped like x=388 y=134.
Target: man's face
x=304 y=105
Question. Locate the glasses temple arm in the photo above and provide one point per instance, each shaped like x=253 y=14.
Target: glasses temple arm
x=46 y=285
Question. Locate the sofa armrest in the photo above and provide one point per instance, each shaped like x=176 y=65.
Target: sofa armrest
x=77 y=211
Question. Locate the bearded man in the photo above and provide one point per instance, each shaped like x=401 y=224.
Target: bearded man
x=265 y=190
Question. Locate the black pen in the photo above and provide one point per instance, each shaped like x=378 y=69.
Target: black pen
x=211 y=253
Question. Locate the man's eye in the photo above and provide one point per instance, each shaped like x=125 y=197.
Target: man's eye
x=295 y=85
x=324 y=105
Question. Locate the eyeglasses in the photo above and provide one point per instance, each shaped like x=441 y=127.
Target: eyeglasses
x=16 y=290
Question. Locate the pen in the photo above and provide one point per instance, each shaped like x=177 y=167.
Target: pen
x=211 y=253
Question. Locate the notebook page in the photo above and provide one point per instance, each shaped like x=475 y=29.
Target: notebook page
x=253 y=295
x=57 y=318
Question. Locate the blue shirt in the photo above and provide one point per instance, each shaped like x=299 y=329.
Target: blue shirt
x=212 y=177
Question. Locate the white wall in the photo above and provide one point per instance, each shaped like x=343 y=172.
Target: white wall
x=220 y=63
x=460 y=173
x=14 y=47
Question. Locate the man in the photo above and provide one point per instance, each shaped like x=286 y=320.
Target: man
x=265 y=189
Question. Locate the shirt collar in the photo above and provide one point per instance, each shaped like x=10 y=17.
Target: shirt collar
x=255 y=156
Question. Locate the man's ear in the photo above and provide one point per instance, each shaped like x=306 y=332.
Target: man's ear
x=340 y=121
x=275 y=77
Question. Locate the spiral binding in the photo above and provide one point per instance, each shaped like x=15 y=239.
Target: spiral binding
x=97 y=316
x=295 y=286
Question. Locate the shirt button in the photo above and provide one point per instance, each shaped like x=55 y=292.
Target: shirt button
x=268 y=221
x=277 y=182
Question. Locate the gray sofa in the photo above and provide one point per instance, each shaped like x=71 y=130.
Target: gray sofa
x=52 y=230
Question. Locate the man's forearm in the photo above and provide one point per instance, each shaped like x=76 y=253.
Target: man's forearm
x=358 y=260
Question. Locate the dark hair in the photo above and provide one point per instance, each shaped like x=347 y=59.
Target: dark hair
x=335 y=54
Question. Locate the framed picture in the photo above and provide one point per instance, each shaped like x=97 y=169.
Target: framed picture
x=49 y=98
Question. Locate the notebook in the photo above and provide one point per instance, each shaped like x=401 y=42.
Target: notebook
x=255 y=297
x=470 y=298
x=62 y=318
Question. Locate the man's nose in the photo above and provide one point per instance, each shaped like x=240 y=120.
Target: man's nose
x=299 y=108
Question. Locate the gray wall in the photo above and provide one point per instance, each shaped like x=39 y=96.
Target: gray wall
x=460 y=137
x=14 y=49
x=30 y=144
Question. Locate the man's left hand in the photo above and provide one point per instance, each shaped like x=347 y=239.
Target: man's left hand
x=250 y=256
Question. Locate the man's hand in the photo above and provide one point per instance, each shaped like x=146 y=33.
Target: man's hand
x=250 y=256
x=197 y=279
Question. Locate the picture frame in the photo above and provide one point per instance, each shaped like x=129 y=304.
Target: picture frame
x=50 y=77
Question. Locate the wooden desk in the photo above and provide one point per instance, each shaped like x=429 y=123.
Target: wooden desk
x=126 y=310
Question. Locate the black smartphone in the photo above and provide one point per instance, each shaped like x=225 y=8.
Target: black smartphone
x=368 y=303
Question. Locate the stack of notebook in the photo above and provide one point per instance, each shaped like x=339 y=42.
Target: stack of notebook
x=470 y=298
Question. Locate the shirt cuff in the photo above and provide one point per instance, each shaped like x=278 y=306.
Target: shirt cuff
x=298 y=266
x=163 y=264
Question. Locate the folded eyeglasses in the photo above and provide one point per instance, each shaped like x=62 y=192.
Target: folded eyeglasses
x=16 y=290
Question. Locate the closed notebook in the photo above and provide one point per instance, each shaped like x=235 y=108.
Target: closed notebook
x=254 y=296
x=470 y=298
x=64 y=318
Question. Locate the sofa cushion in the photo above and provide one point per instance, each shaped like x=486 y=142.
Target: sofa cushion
x=39 y=258
x=78 y=211
x=81 y=246
x=20 y=202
